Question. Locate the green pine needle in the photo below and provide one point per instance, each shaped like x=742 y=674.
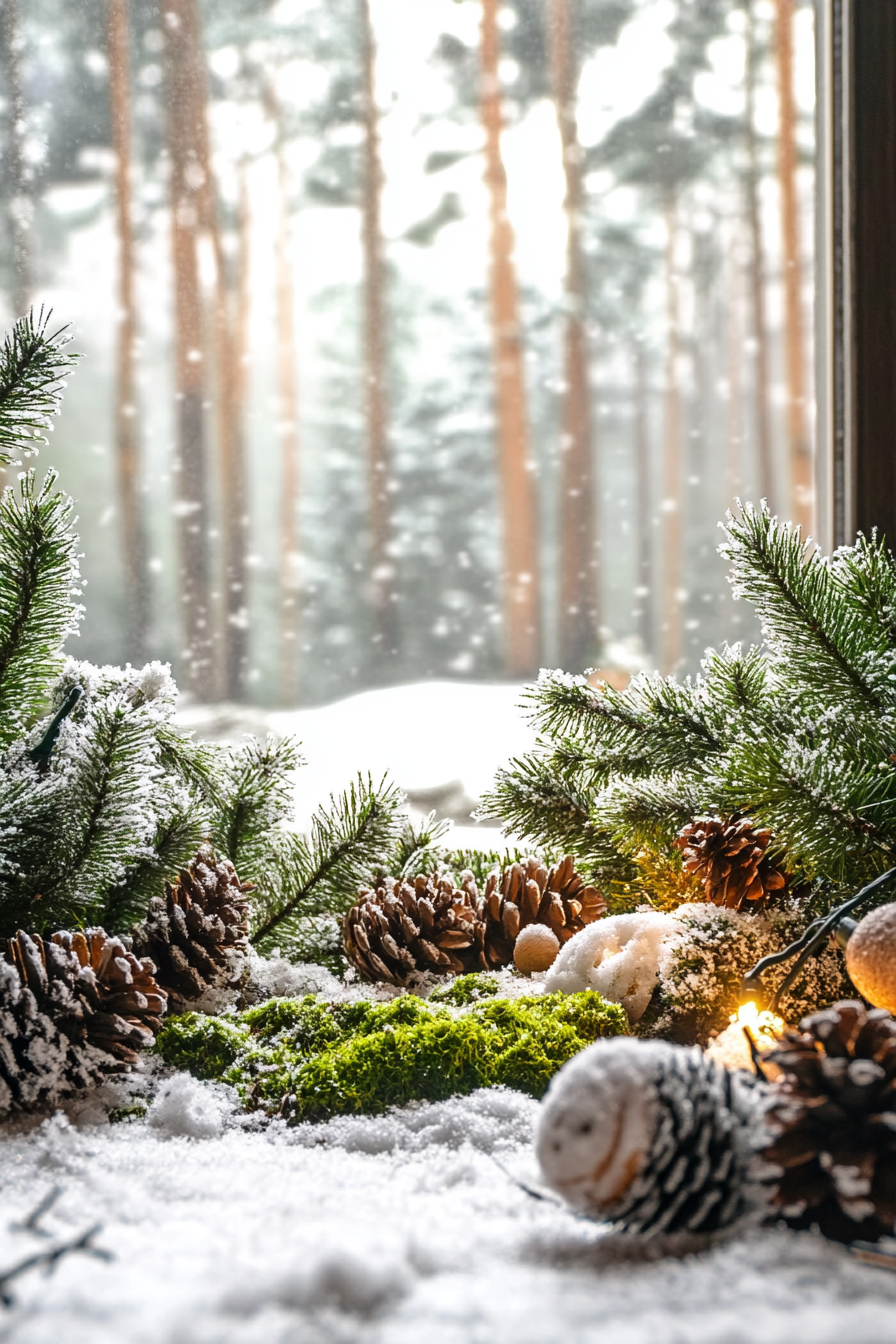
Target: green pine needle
x=33 y=364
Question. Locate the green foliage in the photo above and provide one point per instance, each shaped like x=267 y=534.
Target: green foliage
x=800 y=733
x=361 y=1058
x=38 y=584
x=312 y=879
x=33 y=364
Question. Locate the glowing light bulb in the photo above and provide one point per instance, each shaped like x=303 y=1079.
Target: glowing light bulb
x=730 y=1046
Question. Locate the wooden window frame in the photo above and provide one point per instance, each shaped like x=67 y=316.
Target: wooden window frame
x=856 y=270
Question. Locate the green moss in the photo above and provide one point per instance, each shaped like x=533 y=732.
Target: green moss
x=207 y=1046
x=125 y=1114
x=465 y=989
x=361 y=1058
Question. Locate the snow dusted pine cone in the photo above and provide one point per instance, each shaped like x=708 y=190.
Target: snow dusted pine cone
x=430 y=925
x=71 y=1010
x=834 y=1118
x=192 y=932
x=653 y=1137
x=729 y=857
x=527 y=893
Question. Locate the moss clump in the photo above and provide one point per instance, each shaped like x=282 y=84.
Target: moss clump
x=360 y=1058
x=701 y=970
x=206 y=1046
x=466 y=989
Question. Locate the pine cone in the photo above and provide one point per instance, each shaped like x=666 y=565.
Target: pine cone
x=71 y=1010
x=729 y=856
x=652 y=1137
x=835 y=1119
x=527 y=893
x=401 y=929
x=192 y=932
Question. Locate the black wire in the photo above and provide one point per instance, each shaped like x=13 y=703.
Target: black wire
x=809 y=942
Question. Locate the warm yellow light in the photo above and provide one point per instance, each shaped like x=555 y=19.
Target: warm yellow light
x=763 y=1026
x=731 y=1049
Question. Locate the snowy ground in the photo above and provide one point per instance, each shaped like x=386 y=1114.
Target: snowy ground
x=441 y=741
x=398 y=1230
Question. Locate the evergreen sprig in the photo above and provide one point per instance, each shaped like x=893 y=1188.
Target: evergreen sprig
x=33 y=364
x=310 y=879
x=38 y=585
x=799 y=733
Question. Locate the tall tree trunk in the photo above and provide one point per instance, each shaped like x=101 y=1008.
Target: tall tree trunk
x=20 y=205
x=757 y=273
x=672 y=501
x=287 y=425
x=797 y=426
x=127 y=441
x=185 y=73
x=522 y=623
x=579 y=601
x=382 y=569
x=734 y=342
x=230 y=419
x=644 y=556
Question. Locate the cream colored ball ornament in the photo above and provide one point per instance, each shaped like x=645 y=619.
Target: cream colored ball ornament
x=536 y=948
x=871 y=957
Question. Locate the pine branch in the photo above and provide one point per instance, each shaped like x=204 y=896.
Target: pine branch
x=38 y=577
x=550 y=809
x=320 y=874
x=33 y=363
x=109 y=820
x=177 y=838
x=807 y=616
x=255 y=797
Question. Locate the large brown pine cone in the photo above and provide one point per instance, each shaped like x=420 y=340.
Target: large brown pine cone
x=402 y=928
x=528 y=893
x=730 y=859
x=193 y=931
x=834 y=1119
x=93 y=989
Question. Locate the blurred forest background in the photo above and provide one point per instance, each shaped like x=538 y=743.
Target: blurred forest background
x=421 y=337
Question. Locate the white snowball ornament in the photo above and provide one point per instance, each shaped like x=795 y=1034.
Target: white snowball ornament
x=652 y=1137
x=536 y=948
x=617 y=956
x=871 y=957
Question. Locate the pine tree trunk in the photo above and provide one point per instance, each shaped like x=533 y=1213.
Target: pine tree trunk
x=798 y=433
x=644 y=555
x=522 y=637
x=288 y=426
x=131 y=522
x=734 y=347
x=20 y=205
x=757 y=275
x=192 y=507
x=579 y=600
x=672 y=501
x=230 y=418
x=382 y=568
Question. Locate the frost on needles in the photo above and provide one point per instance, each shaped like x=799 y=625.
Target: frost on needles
x=102 y=797
x=800 y=732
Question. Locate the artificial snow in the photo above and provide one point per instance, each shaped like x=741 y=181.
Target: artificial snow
x=618 y=956
x=397 y=1229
